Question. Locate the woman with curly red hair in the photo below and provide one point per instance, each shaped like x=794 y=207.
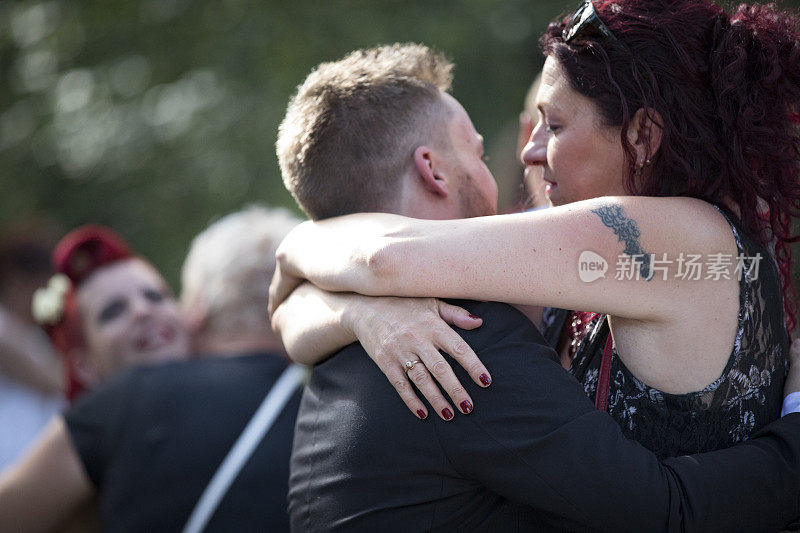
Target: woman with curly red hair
x=668 y=132
x=107 y=309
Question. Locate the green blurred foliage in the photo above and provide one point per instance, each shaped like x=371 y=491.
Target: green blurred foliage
x=156 y=116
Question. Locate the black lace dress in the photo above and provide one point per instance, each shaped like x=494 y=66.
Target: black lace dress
x=743 y=399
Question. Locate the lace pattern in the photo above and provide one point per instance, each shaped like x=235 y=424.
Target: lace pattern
x=743 y=399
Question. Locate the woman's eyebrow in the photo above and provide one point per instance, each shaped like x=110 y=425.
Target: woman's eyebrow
x=540 y=106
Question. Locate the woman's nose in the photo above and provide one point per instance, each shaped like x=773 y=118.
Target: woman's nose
x=141 y=307
x=535 y=151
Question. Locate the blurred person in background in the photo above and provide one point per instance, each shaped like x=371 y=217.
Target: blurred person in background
x=31 y=390
x=107 y=309
x=198 y=443
x=104 y=310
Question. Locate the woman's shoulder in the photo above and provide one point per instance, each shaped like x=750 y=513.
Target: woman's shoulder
x=707 y=220
x=667 y=213
x=673 y=226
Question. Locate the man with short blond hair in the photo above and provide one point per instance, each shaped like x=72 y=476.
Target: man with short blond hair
x=381 y=122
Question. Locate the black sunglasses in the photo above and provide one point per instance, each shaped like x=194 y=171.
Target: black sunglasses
x=586 y=17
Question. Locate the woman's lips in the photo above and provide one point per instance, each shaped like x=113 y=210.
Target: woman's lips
x=155 y=338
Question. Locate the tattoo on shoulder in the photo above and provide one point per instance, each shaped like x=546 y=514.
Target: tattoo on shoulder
x=627 y=232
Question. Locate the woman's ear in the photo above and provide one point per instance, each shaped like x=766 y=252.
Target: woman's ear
x=644 y=134
x=429 y=171
x=86 y=372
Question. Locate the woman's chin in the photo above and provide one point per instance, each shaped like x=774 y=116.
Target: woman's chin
x=174 y=351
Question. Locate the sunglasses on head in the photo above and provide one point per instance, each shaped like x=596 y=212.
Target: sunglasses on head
x=585 y=18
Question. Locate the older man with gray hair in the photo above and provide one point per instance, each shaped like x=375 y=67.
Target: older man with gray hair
x=225 y=282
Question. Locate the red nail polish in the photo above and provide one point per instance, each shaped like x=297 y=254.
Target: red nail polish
x=486 y=380
x=474 y=317
x=466 y=407
x=447 y=414
x=421 y=414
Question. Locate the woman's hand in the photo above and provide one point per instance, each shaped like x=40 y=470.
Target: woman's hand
x=395 y=331
x=313 y=323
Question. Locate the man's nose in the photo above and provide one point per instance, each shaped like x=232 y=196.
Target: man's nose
x=535 y=151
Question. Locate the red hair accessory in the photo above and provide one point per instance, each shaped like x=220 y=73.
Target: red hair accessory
x=87 y=248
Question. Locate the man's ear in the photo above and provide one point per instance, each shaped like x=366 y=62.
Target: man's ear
x=644 y=133
x=86 y=372
x=429 y=171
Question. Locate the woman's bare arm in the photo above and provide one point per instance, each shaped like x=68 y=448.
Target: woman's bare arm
x=527 y=258
x=44 y=489
x=310 y=323
x=19 y=364
x=595 y=255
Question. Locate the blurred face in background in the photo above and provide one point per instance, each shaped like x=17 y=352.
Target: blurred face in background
x=129 y=316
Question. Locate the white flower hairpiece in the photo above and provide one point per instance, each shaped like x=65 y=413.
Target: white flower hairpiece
x=48 y=302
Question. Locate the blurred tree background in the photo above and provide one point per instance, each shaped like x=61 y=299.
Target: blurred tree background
x=156 y=116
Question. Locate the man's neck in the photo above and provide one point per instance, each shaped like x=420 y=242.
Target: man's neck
x=415 y=202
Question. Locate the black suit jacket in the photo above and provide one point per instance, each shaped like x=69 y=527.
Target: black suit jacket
x=533 y=455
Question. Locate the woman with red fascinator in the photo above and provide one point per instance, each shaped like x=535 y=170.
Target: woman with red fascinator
x=107 y=309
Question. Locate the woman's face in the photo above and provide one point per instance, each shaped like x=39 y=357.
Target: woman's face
x=129 y=316
x=579 y=156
